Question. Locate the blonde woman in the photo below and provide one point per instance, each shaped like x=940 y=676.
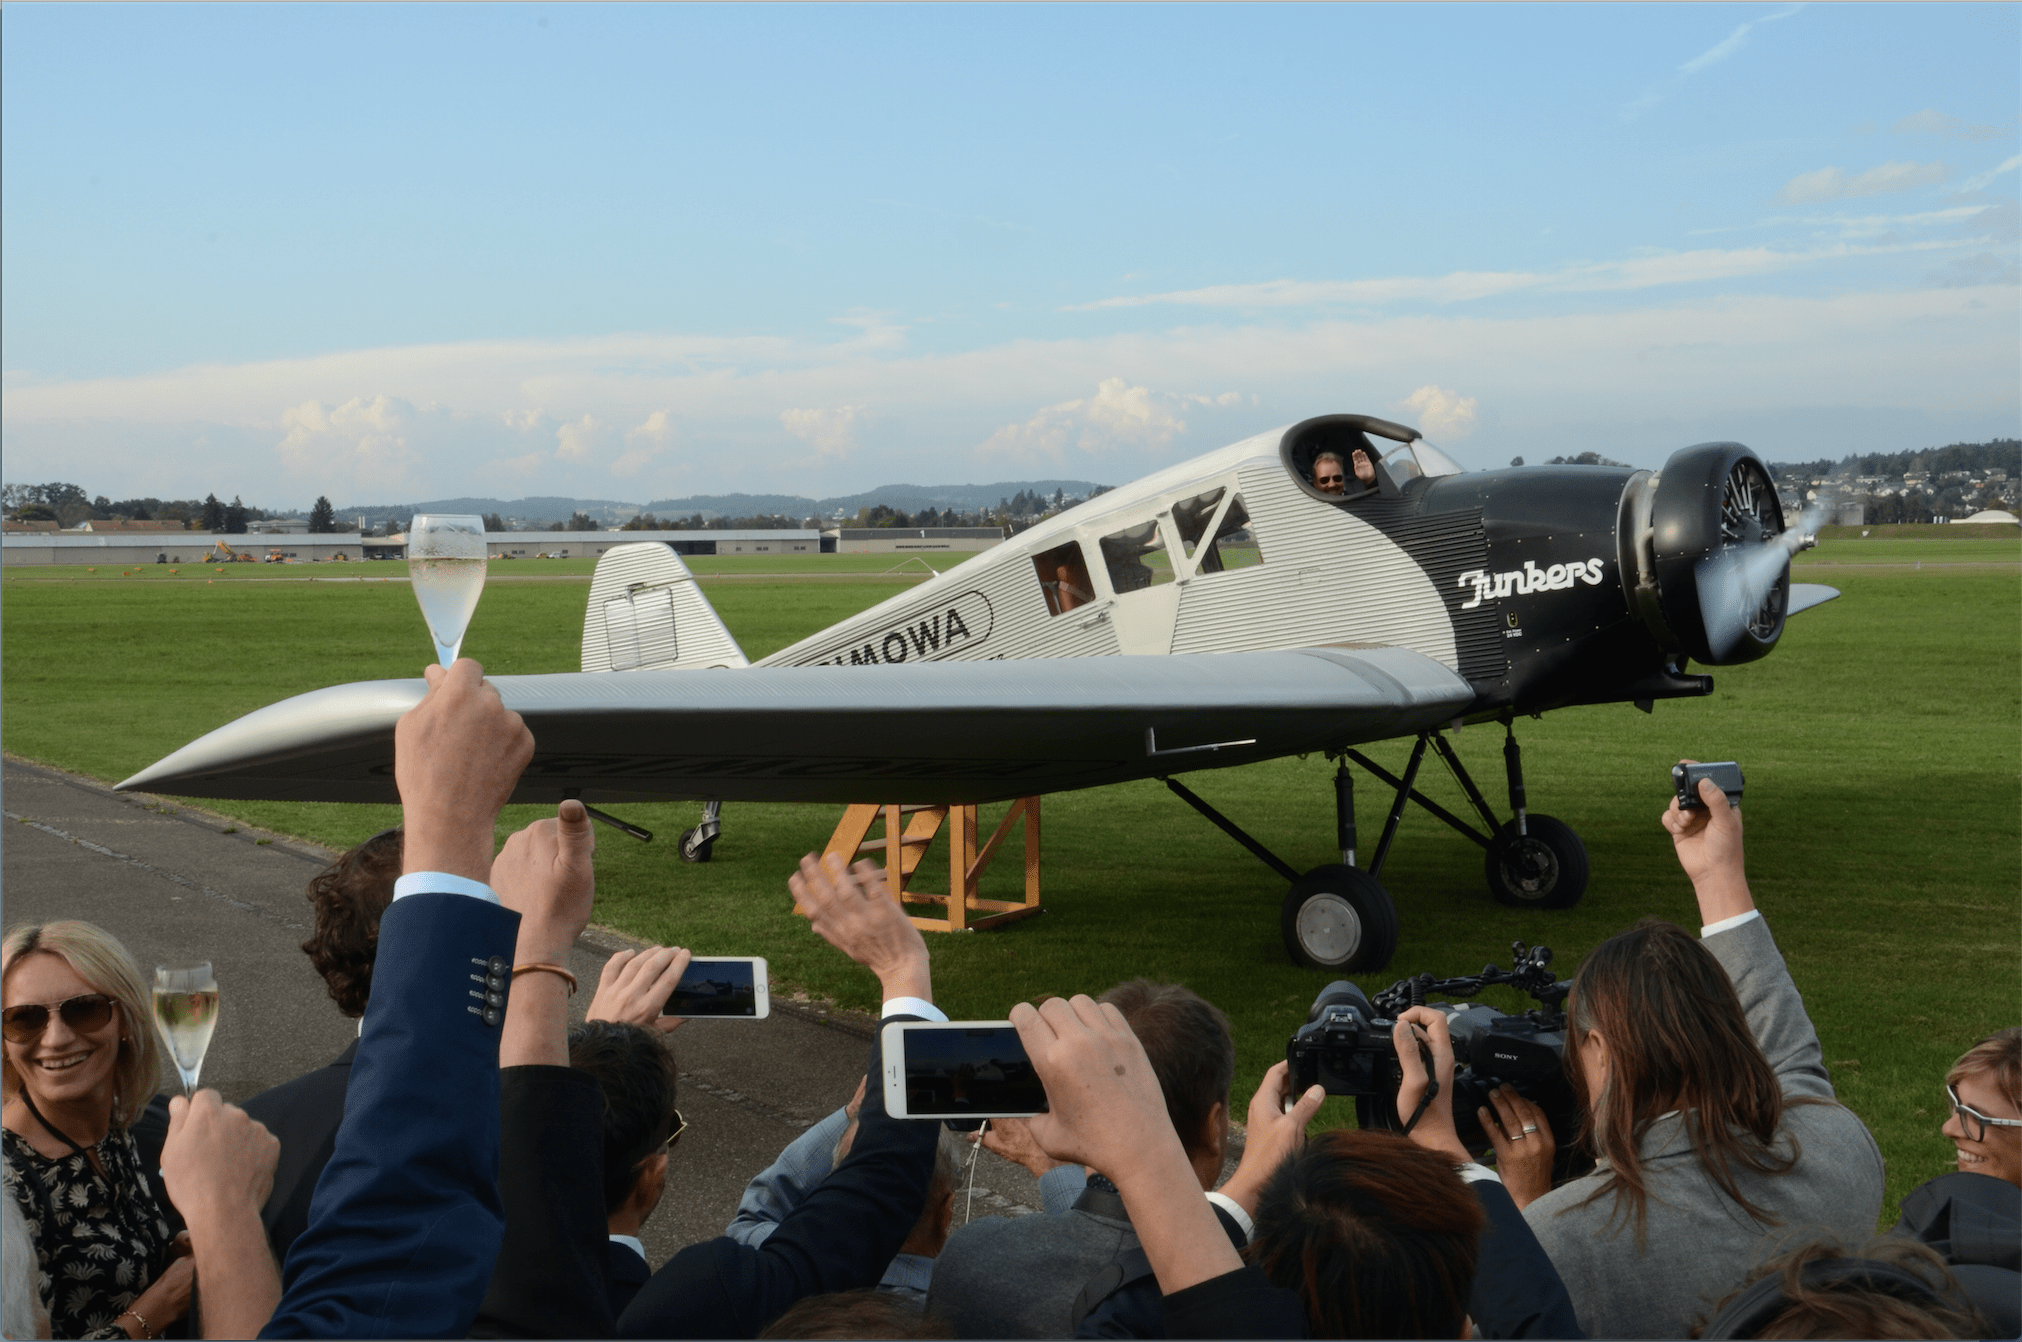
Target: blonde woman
x=81 y=1061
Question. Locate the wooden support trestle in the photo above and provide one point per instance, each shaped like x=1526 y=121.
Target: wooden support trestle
x=915 y=829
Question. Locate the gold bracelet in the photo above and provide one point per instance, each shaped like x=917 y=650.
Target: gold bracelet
x=145 y=1331
x=547 y=969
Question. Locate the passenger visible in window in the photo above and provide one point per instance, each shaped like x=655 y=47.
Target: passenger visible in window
x=1069 y=589
x=1330 y=473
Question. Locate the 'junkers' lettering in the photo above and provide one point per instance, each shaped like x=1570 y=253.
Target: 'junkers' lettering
x=943 y=630
x=1529 y=579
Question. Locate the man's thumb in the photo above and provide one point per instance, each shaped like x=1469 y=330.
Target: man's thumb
x=574 y=830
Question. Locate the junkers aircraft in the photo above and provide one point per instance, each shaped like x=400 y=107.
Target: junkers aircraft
x=1217 y=613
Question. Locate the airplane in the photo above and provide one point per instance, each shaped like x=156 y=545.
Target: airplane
x=1216 y=613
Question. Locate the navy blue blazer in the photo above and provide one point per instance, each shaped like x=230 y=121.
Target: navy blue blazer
x=406 y=1220
x=626 y=1272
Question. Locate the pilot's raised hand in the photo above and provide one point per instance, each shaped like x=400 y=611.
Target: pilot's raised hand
x=457 y=755
x=850 y=909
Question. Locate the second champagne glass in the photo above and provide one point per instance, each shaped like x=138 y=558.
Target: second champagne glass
x=446 y=561
x=186 y=1012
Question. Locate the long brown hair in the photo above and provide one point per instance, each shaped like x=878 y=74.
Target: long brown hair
x=1677 y=1039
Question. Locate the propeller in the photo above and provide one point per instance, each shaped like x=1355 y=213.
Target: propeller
x=1738 y=584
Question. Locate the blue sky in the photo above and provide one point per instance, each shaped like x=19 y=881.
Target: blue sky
x=394 y=252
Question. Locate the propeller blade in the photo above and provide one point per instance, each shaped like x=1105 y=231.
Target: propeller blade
x=1733 y=583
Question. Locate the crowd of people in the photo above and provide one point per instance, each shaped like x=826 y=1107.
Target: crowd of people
x=473 y=1166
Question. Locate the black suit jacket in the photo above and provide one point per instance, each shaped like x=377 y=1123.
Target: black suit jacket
x=843 y=1236
x=304 y=1114
x=626 y=1271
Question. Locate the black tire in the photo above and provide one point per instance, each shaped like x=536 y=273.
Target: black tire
x=1546 y=868
x=695 y=848
x=1339 y=918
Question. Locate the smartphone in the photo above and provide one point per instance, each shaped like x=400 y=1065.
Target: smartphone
x=722 y=987
x=959 y=1069
x=1685 y=777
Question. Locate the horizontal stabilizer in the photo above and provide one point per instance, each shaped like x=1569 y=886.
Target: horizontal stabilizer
x=932 y=732
x=1805 y=595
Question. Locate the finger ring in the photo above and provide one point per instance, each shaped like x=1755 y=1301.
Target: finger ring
x=1518 y=1137
x=1530 y=1128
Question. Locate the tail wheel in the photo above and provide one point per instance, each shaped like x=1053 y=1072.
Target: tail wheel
x=1340 y=918
x=696 y=846
x=1543 y=868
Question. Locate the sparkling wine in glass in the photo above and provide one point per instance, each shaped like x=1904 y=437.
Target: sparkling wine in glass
x=186 y=1011
x=446 y=560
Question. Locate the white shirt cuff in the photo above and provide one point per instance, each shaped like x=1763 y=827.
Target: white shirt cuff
x=442 y=883
x=1474 y=1172
x=1235 y=1209
x=913 y=1006
x=1727 y=924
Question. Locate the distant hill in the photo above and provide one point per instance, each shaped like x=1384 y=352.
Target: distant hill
x=2001 y=454
x=905 y=498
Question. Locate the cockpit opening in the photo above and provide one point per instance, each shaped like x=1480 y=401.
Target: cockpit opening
x=1320 y=455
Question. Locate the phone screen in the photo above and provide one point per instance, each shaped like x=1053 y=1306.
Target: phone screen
x=962 y=1070
x=727 y=987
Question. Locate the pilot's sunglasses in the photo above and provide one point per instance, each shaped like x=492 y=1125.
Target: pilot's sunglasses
x=1967 y=1111
x=1332 y=479
x=680 y=1126
x=25 y=1024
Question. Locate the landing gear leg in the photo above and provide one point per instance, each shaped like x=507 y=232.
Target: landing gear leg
x=1535 y=861
x=697 y=843
x=1344 y=813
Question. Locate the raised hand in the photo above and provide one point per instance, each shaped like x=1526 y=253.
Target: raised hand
x=457 y=755
x=1434 y=1130
x=545 y=874
x=849 y=908
x=218 y=1167
x=1275 y=1128
x=1708 y=842
x=634 y=985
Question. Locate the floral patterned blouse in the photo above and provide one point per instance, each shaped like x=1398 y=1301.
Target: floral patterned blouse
x=100 y=1241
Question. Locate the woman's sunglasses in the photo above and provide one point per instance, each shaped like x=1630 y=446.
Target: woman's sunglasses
x=680 y=1126
x=1967 y=1112
x=25 y=1024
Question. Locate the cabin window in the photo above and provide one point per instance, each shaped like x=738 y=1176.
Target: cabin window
x=1137 y=558
x=1063 y=576
x=1229 y=545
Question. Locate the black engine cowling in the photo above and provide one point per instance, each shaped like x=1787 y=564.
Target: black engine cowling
x=1710 y=504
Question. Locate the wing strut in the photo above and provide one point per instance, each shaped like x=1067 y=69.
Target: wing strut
x=1230 y=828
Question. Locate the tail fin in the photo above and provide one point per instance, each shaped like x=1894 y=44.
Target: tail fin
x=646 y=612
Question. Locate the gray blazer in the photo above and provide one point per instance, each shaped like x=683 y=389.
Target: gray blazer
x=1700 y=1245
x=1019 y=1277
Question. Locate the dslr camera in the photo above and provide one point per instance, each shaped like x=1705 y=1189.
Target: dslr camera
x=1345 y=1046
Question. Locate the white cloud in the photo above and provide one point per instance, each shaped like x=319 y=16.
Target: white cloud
x=830 y=432
x=1652 y=270
x=1117 y=416
x=1982 y=180
x=359 y=445
x=1732 y=43
x=643 y=443
x=576 y=440
x=1933 y=122
x=1442 y=414
x=1834 y=184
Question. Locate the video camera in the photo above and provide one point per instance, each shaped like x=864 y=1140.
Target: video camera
x=1345 y=1046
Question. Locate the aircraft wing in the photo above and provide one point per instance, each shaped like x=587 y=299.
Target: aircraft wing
x=929 y=732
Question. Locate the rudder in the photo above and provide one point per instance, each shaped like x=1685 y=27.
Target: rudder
x=646 y=612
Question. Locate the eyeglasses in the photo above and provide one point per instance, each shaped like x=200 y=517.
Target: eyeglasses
x=85 y=1013
x=680 y=1126
x=1330 y=479
x=1967 y=1111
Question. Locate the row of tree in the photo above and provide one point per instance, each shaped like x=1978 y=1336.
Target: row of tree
x=68 y=505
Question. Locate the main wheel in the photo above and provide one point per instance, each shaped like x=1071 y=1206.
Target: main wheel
x=1340 y=918
x=1544 y=868
x=695 y=846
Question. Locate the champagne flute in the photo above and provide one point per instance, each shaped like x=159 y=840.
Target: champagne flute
x=186 y=1011
x=446 y=561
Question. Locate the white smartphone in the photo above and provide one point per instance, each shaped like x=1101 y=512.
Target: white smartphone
x=722 y=987
x=959 y=1069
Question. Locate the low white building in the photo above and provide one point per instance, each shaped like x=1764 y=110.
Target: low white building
x=124 y=548
x=593 y=544
x=914 y=540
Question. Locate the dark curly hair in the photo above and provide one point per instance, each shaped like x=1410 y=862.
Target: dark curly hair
x=348 y=898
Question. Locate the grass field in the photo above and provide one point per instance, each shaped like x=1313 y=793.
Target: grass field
x=1882 y=744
